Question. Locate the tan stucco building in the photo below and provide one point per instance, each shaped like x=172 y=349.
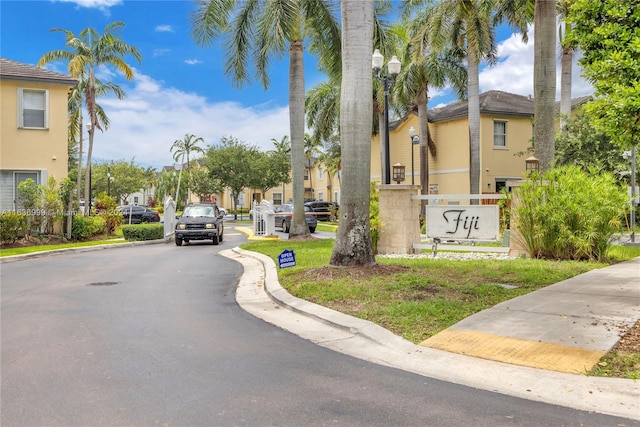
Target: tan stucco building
x=33 y=127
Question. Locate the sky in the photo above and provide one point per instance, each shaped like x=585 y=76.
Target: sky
x=180 y=88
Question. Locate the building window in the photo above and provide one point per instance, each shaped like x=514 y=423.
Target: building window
x=32 y=109
x=499 y=134
x=320 y=173
x=306 y=174
x=277 y=199
x=321 y=197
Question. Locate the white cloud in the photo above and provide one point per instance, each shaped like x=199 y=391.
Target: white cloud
x=160 y=52
x=192 y=61
x=164 y=29
x=102 y=5
x=146 y=123
x=514 y=71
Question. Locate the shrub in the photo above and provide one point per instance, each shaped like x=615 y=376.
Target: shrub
x=13 y=225
x=569 y=213
x=140 y=232
x=84 y=227
x=374 y=216
x=106 y=207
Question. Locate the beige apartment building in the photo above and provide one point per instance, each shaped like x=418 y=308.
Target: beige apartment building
x=506 y=131
x=33 y=127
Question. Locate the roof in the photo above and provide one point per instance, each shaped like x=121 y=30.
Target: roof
x=491 y=102
x=18 y=71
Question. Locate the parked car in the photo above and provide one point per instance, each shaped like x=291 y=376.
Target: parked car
x=285 y=212
x=138 y=214
x=324 y=210
x=202 y=221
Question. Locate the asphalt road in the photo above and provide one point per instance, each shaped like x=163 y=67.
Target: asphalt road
x=152 y=335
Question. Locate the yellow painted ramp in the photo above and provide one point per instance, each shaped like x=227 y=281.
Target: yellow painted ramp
x=554 y=357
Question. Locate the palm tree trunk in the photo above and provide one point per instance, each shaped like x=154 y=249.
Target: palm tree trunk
x=299 y=226
x=87 y=178
x=474 y=125
x=353 y=240
x=79 y=177
x=565 y=87
x=544 y=82
x=422 y=100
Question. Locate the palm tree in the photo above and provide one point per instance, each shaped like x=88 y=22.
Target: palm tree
x=566 y=63
x=462 y=25
x=332 y=160
x=353 y=244
x=182 y=148
x=544 y=82
x=88 y=51
x=424 y=69
x=311 y=150
x=260 y=29
x=75 y=126
x=283 y=147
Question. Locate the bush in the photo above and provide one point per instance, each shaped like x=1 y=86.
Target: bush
x=13 y=225
x=106 y=207
x=139 y=232
x=569 y=213
x=84 y=227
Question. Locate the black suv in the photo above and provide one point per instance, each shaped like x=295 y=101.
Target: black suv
x=200 y=222
x=323 y=210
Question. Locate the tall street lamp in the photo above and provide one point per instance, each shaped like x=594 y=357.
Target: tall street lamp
x=415 y=139
x=393 y=69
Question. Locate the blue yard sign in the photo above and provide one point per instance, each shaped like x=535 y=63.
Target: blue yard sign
x=287 y=259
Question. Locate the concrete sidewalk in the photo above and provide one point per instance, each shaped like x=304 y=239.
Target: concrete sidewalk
x=535 y=347
x=565 y=327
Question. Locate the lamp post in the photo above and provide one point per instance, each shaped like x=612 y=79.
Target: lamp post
x=393 y=69
x=415 y=139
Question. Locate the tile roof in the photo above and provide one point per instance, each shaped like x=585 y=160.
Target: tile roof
x=491 y=102
x=18 y=71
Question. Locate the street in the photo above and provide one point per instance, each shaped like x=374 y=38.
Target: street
x=152 y=335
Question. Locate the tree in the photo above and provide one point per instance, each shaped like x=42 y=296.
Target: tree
x=271 y=169
x=544 y=82
x=423 y=69
x=566 y=64
x=182 y=148
x=311 y=152
x=353 y=246
x=607 y=34
x=88 y=51
x=260 y=30
x=230 y=163
x=127 y=178
x=201 y=183
x=283 y=147
x=468 y=26
x=586 y=147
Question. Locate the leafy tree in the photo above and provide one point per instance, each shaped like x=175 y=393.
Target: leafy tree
x=607 y=33
x=271 y=169
x=231 y=164
x=260 y=30
x=353 y=244
x=88 y=51
x=127 y=178
x=201 y=183
x=167 y=186
x=584 y=146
